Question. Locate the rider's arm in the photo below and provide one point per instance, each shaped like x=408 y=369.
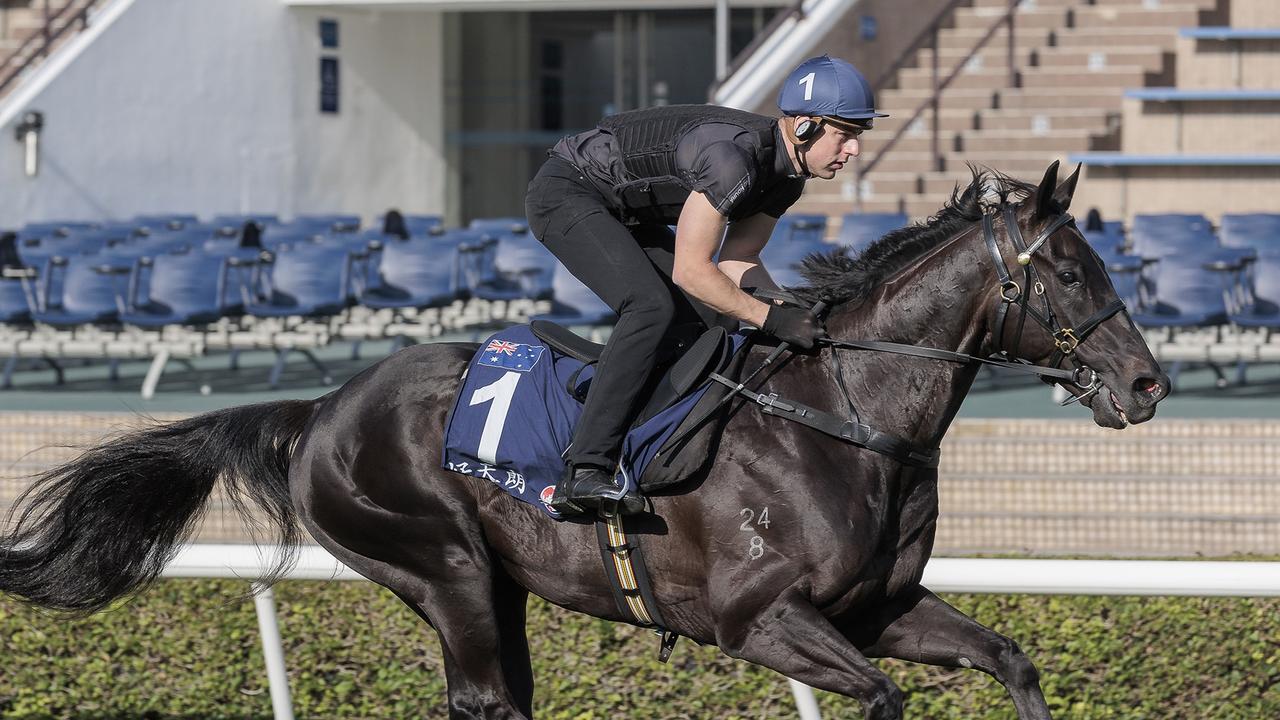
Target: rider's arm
x=698 y=236
x=740 y=253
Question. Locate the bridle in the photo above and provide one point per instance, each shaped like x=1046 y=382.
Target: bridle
x=1065 y=339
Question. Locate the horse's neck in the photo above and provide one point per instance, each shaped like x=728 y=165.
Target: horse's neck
x=937 y=303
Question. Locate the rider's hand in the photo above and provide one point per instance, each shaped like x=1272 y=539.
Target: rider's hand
x=793 y=325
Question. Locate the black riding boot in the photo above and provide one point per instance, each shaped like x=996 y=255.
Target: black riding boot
x=587 y=487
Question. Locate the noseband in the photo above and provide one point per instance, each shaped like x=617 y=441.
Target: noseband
x=1065 y=339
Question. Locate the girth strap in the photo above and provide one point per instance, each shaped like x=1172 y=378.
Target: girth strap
x=629 y=579
x=852 y=432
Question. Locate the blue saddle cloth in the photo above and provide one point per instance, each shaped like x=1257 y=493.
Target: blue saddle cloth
x=514 y=416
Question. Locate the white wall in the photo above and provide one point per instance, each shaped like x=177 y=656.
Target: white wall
x=212 y=106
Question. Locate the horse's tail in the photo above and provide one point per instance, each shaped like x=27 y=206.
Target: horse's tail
x=105 y=524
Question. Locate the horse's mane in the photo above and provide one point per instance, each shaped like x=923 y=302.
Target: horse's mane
x=836 y=278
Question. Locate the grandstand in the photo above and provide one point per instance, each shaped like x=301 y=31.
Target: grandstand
x=192 y=218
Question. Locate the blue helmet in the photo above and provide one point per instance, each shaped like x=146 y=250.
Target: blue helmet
x=828 y=87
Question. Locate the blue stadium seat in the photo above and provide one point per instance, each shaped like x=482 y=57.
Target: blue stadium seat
x=1190 y=289
x=513 y=266
x=187 y=289
x=415 y=273
x=325 y=223
x=239 y=220
x=1256 y=230
x=171 y=221
x=306 y=280
x=419 y=225
x=573 y=303
x=796 y=227
x=1105 y=243
x=81 y=289
x=53 y=227
x=501 y=226
x=1258 y=304
x=793 y=239
x=859 y=230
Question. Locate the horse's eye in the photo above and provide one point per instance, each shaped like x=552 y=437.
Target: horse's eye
x=1068 y=277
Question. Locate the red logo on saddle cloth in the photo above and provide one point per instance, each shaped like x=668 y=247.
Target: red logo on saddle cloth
x=545 y=495
x=503 y=346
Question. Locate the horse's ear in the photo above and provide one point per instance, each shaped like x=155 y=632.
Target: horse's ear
x=1066 y=190
x=1044 y=194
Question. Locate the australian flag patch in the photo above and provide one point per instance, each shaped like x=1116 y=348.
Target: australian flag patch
x=510 y=355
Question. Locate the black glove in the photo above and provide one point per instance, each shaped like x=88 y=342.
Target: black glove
x=795 y=326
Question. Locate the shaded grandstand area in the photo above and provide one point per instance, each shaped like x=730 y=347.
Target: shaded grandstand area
x=249 y=305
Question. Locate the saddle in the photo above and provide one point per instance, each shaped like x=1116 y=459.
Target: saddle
x=688 y=357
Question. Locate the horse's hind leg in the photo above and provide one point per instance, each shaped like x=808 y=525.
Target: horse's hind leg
x=920 y=627
x=443 y=570
x=484 y=655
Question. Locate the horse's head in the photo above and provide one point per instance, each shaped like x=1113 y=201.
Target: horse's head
x=1060 y=308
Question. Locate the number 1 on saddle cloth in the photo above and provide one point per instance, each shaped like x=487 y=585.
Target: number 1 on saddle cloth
x=514 y=416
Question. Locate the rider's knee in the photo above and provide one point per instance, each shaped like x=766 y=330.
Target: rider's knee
x=655 y=309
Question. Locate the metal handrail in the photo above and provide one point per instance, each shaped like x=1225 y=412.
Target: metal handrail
x=796 y=10
x=934 y=100
x=10 y=69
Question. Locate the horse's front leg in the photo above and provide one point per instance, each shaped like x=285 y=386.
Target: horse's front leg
x=918 y=626
x=793 y=638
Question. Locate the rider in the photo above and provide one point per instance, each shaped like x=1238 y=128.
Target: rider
x=603 y=203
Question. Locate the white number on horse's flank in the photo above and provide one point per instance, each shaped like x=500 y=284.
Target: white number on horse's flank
x=500 y=392
x=755 y=550
x=750 y=515
x=807 y=82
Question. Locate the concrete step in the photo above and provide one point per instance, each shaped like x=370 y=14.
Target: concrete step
x=967 y=38
x=1024 y=141
x=950 y=120
x=1017 y=163
x=1150 y=59
x=1098 y=57
x=898 y=161
x=1065 y=98
x=1165 y=38
x=1036 y=120
x=959 y=120
x=994 y=79
x=1165 y=16
x=984 y=17
x=906 y=101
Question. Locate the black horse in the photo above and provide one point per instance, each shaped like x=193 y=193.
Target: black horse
x=794 y=551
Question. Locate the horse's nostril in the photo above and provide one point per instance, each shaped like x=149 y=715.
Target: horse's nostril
x=1150 y=386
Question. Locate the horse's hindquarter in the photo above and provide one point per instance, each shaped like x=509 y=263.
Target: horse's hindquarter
x=366 y=473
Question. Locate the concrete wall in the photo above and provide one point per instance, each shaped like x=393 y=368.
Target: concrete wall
x=1120 y=193
x=1255 y=13
x=212 y=106
x=1204 y=128
x=1219 y=65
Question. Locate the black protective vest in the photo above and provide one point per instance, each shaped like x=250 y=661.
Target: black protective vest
x=647 y=140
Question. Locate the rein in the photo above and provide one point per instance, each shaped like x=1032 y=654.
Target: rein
x=1066 y=340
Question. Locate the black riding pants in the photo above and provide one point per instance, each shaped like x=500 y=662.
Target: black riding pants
x=629 y=268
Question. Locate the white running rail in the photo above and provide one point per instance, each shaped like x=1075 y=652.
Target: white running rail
x=954 y=575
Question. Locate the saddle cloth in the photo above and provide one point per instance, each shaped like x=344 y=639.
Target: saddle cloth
x=514 y=415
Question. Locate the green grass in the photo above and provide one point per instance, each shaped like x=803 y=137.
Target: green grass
x=190 y=649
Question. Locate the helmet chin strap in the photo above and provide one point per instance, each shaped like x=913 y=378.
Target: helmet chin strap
x=801 y=146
